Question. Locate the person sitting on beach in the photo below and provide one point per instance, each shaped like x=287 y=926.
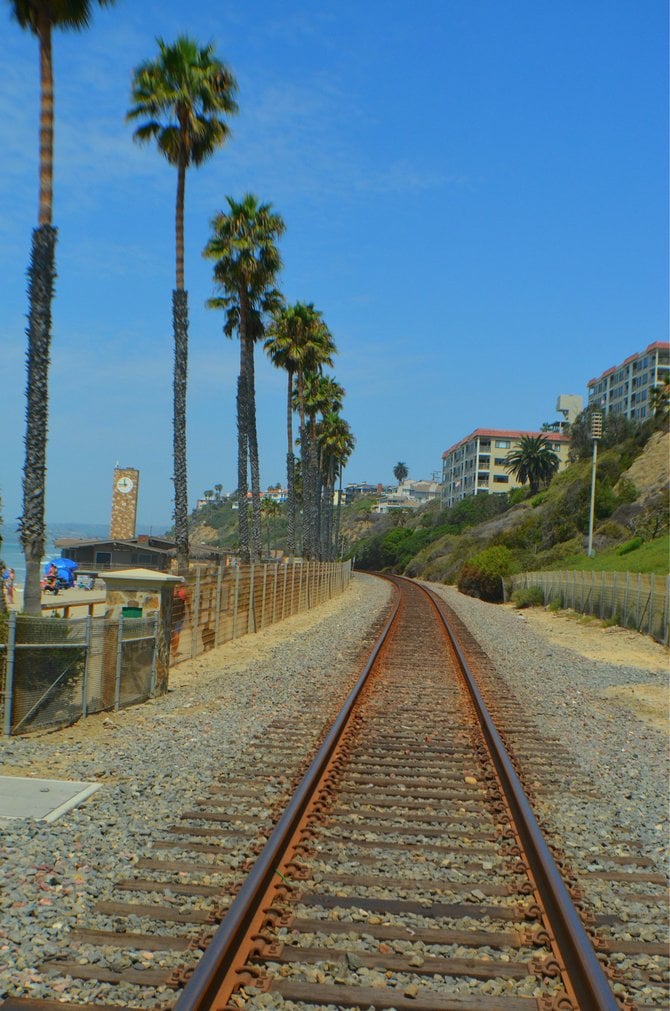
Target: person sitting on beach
x=51 y=584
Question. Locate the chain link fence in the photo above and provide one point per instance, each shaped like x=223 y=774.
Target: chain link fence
x=55 y=670
x=640 y=601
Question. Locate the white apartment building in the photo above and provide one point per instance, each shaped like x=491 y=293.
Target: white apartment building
x=477 y=464
x=624 y=389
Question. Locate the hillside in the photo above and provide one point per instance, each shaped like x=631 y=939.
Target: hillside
x=547 y=531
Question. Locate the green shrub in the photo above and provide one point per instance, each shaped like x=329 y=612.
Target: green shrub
x=482 y=575
x=528 y=596
x=555 y=605
x=612 y=530
x=626 y=490
x=517 y=495
x=631 y=545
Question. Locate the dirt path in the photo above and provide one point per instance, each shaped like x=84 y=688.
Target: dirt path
x=587 y=636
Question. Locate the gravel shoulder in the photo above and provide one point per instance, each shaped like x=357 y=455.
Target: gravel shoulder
x=604 y=694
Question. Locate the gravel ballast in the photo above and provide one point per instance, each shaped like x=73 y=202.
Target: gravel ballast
x=52 y=874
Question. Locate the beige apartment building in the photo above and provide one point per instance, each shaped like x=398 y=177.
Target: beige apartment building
x=624 y=389
x=477 y=464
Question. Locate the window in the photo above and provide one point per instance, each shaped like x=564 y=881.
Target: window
x=500 y=461
x=502 y=443
x=500 y=479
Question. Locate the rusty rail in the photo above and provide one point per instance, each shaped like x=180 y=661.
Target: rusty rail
x=585 y=974
x=217 y=962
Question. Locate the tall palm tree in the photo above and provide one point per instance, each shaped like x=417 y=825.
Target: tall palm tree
x=344 y=448
x=322 y=395
x=182 y=96
x=400 y=471
x=335 y=446
x=270 y=509
x=298 y=341
x=534 y=461
x=40 y=17
x=247 y=262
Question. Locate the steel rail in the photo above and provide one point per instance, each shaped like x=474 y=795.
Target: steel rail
x=202 y=988
x=591 y=987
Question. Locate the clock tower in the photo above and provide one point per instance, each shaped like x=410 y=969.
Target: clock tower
x=124 y=503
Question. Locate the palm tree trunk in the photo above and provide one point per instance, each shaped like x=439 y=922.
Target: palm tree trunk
x=242 y=440
x=180 y=330
x=337 y=515
x=46 y=116
x=41 y=277
x=256 y=530
x=315 y=532
x=179 y=225
x=290 y=471
x=304 y=462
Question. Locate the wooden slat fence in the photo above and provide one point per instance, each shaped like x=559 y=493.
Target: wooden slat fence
x=229 y=601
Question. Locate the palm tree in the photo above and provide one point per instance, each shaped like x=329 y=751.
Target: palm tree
x=300 y=342
x=218 y=488
x=659 y=400
x=247 y=262
x=182 y=95
x=400 y=472
x=40 y=17
x=322 y=395
x=336 y=444
x=534 y=461
x=270 y=509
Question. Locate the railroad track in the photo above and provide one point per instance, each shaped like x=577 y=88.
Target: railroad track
x=402 y=869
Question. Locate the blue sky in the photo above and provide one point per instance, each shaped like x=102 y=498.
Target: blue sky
x=475 y=196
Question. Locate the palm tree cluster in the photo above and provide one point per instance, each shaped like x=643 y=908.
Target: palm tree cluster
x=181 y=99
x=299 y=341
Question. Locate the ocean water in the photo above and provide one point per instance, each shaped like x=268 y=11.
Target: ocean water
x=11 y=550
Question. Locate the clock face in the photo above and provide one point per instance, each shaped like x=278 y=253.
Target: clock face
x=124 y=485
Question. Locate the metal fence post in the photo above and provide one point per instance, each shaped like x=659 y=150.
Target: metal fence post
x=283 y=599
x=195 y=616
x=251 y=615
x=274 y=595
x=638 y=619
x=154 y=657
x=651 y=604
x=217 y=609
x=614 y=597
x=625 y=600
x=9 y=677
x=265 y=583
x=235 y=598
x=119 y=662
x=602 y=595
x=84 y=687
x=293 y=584
x=666 y=609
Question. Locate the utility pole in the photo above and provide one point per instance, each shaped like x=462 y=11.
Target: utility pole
x=596 y=433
